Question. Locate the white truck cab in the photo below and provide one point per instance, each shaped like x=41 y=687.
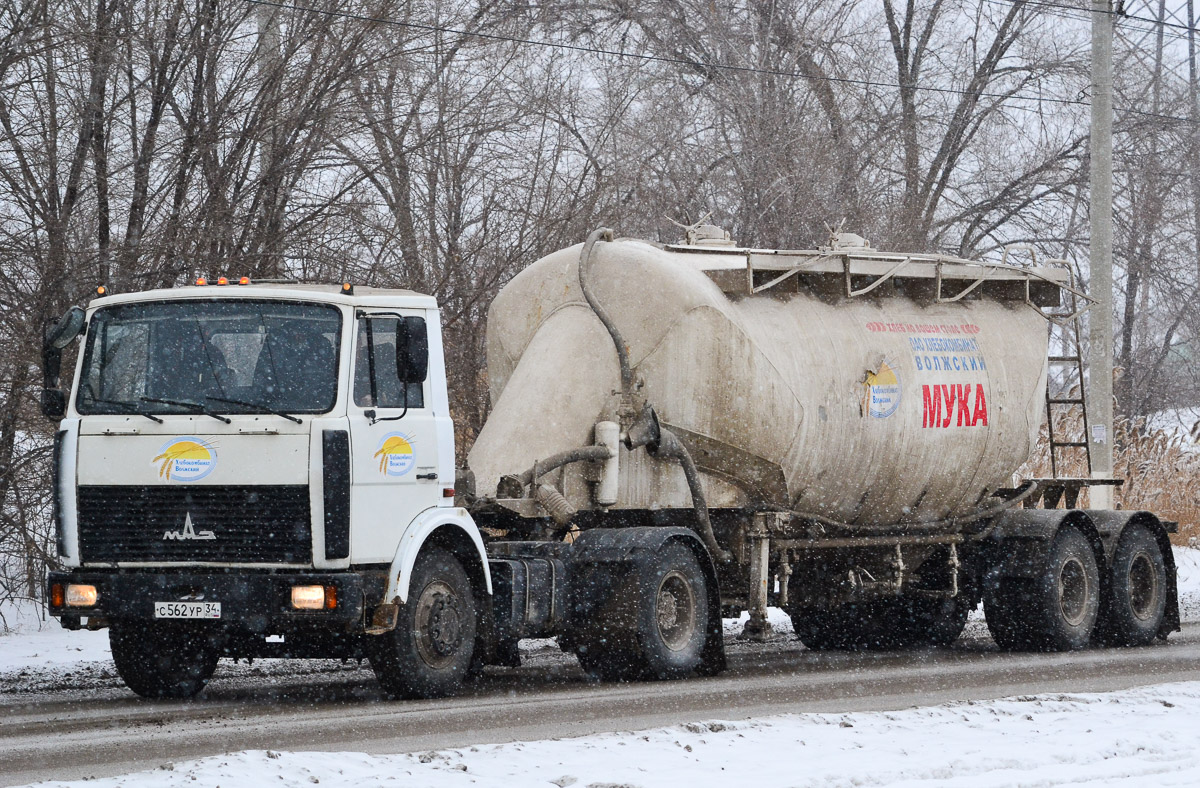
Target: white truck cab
x=238 y=462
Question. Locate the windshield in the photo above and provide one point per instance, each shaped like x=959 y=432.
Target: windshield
x=269 y=355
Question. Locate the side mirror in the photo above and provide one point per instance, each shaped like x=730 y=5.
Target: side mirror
x=54 y=404
x=63 y=332
x=412 y=349
x=56 y=337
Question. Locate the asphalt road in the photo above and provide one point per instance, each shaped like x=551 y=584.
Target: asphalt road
x=101 y=729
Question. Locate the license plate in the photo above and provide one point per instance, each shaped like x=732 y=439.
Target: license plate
x=187 y=609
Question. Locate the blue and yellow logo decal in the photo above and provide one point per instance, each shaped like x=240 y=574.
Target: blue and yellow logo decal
x=186 y=459
x=395 y=454
x=882 y=391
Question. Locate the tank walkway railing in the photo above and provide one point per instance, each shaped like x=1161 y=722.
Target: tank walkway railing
x=863 y=271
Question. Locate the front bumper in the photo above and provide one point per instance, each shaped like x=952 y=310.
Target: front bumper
x=254 y=602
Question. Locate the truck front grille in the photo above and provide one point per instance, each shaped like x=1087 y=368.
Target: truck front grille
x=259 y=524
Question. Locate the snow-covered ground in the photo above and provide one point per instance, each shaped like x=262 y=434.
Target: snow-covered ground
x=1141 y=737
x=1026 y=741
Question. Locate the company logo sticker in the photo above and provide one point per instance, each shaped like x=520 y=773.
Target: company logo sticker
x=186 y=459
x=882 y=391
x=395 y=454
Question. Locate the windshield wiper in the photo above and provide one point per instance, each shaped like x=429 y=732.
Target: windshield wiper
x=259 y=405
x=195 y=407
x=126 y=407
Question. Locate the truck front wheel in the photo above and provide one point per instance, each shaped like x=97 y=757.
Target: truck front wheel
x=429 y=652
x=163 y=660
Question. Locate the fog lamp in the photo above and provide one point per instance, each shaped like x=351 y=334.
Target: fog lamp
x=81 y=596
x=308 y=597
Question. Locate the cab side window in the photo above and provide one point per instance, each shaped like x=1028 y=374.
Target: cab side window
x=377 y=382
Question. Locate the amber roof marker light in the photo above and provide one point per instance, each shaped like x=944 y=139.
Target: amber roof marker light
x=101 y=290
x=347 y=288
x=222 y=280
x=245 y=280
x=200 y=280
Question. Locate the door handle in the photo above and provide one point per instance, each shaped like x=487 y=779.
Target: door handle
x=430 y=476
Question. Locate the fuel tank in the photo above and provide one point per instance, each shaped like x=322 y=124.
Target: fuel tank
x=841 y=381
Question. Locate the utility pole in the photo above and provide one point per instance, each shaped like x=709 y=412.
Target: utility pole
x=1100 y=362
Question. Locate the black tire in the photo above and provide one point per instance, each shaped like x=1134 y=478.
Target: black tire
x=429 y=652
x=925 y=622
x=841 y=629
x=1138 y=579
x=163 y=659
x=659 y=627
x=1056 y=611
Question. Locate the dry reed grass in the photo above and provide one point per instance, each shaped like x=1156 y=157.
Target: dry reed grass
x=1161 y=469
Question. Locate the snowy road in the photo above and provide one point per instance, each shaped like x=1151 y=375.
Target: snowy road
x=107 y=731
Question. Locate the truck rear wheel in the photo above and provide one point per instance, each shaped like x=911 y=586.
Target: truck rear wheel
x=163 y=660
x=663 y=627
x=429 y=652
x=1139 y=588
x=1056 y=611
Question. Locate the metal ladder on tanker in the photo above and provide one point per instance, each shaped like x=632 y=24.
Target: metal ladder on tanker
x=1066 y=488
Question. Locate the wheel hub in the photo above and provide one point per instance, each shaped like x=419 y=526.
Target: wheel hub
x=675 y=611
x=1143 y=586
x=439 y=632
x=1073 y=591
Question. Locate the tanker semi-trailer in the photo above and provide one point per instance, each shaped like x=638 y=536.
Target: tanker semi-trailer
x=678 y=432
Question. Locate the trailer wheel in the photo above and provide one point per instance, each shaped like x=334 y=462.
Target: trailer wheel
x=163 y=660
x=661 y=633
x=429 y=652
x=1054 y=612
x=1139 y=583
x=921 y=622
x=826 y=630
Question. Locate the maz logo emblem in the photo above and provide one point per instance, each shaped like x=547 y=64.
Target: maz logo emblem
x=188 y=532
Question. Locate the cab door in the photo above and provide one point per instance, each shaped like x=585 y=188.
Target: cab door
x=393 y=440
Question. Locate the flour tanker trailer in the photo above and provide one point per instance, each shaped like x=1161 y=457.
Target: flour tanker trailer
x=839 y=427
x=678 y=433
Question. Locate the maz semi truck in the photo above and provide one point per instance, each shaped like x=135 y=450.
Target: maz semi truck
x=678 y=433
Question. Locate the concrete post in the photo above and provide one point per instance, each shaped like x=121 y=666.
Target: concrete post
x=1100 y=364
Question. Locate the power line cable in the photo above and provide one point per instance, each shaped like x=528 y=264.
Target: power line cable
x=680 y=61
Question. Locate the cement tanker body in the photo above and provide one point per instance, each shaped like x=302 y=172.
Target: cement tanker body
x=836 y=431
x=871 y=410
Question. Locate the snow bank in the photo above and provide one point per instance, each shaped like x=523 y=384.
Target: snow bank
x=1133 y=738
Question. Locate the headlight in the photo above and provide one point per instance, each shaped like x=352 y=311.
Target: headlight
x=81 y=596
x=308 y=597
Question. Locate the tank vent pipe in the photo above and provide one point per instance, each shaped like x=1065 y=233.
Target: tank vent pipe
x=585 y=284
